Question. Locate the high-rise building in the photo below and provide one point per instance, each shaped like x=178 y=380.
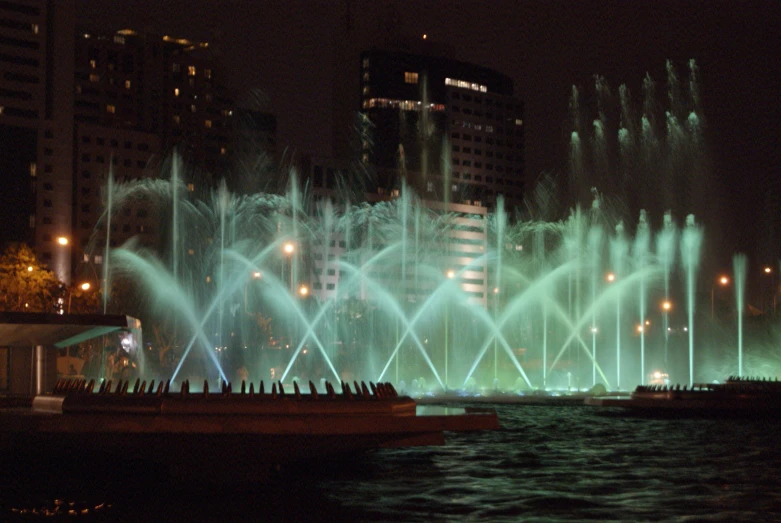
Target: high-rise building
x=76 y=104
x=36 y=126
x=453 y=130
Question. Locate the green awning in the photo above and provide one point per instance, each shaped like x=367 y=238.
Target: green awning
x=20 y=329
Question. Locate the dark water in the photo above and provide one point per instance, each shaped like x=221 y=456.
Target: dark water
x=546 y=464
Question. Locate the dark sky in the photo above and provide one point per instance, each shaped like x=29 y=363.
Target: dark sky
x=286 y=50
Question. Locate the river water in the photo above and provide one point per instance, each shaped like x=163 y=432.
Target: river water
x=570 y=463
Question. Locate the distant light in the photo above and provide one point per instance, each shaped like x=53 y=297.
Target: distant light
x=425 y=36
x=666 y=305
x=451 y=274
x=648 y=322
x=768 y=270
x=85 y=286
x=496 y=290
x=724 y=280
x=62 y=240
x=640 y=329
x=303 y=290
x=257 y=275
x=30 y=268
x=289 y=248
x=657 y=375
x=594 y=330
x=610 y=277
x=686 y=329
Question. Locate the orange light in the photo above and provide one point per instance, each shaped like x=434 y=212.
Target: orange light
x=303 y=290
x=610 y=277
x=289 y=248
x=62 y=240
x=724 y=280
x=666 y=305
x=768 y=270
x=30 y=268
x=85 y=286
x=451 y=274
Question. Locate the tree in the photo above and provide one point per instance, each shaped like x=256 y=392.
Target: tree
x=25 y=284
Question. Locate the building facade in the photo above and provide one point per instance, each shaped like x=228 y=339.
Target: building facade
x=453 y=130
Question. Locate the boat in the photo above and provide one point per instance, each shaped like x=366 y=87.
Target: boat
x=735 y=396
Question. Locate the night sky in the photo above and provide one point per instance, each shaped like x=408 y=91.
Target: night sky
x=285 y=49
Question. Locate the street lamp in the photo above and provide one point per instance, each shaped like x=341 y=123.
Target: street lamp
x=62 y=240
x=723 y=281
x=84 y=287
x=450 y=275
x=303 y=290
x=289 y=248
x=610 y=277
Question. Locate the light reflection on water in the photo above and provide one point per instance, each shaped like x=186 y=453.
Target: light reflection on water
x=563 y=463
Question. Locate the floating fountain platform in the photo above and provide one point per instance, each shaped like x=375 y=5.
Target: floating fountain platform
x=241 y=433
x=736 y=396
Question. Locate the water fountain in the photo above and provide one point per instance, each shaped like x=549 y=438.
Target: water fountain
x=293 y=288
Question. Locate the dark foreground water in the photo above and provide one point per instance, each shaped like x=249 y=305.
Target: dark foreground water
x=546 y=464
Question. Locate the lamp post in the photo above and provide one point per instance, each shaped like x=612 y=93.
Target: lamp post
x=666 y=308
x=768 y=271
x=723 y=281
x=450 y=275
x=84 y=287
x=289 y=248
x=257 y=275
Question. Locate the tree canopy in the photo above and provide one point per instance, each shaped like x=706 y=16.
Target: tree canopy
x=25 y=284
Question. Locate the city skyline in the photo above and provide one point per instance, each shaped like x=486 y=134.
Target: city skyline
x=286 y=52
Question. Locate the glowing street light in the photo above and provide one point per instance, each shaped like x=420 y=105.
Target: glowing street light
x=84 y=287
x=450 y=274
x=289 y=248
x=30 y=268
x=62 y=240
x=667 y=306
x=303 y=290
x=257 y=275
x=610 y=277
x=640 y=329
x=723 y=281
x=768 y=270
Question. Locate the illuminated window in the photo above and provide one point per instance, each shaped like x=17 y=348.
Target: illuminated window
x=208 y=124
x=365 y=63
x=93 y=64
x=176 y=91
x=127 y=84
x=410 y=78
x=111 y=109
x=118 y=39
x=518 y=122
x=223 y=150
x=192 y=108
x=366 y=76
x=462 y=84
x=33 y=170
x=191 y=70
x=35 y=28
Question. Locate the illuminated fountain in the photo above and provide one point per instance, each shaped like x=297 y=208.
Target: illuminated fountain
x=292 y=288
